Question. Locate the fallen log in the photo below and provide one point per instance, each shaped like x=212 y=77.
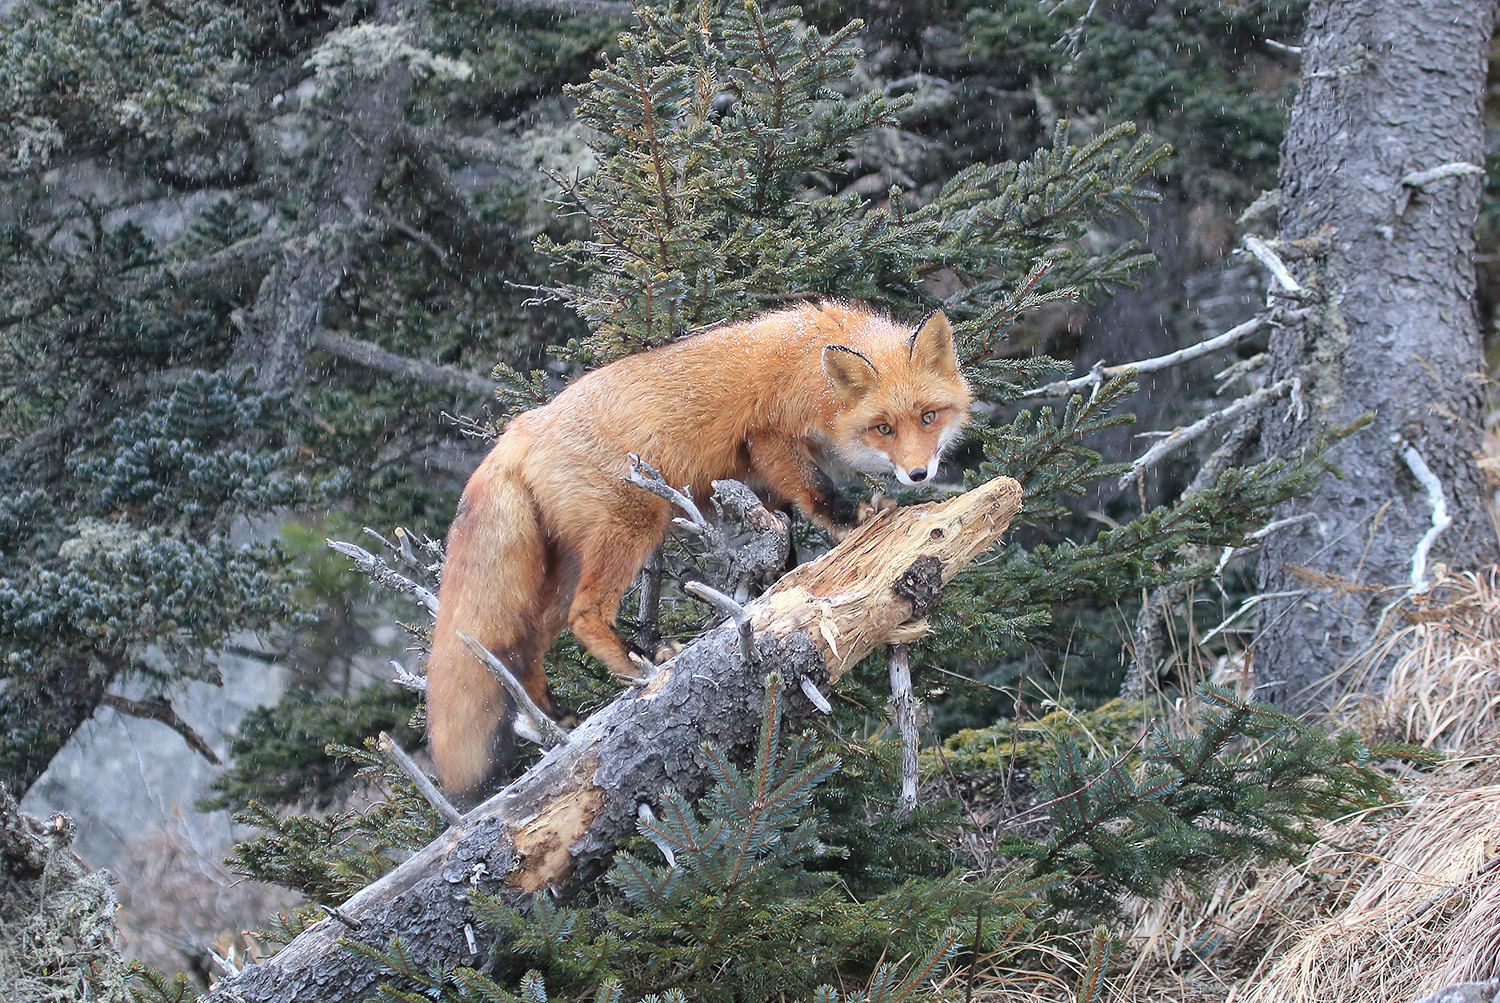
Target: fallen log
x=557 y=825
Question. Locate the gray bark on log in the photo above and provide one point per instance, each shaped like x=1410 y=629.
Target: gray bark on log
x=558 y=825
x=1389 y=87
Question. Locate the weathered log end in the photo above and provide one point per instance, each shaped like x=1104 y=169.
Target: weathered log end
x=858 y=595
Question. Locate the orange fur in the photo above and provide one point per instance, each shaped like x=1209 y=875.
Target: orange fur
x=548 y=534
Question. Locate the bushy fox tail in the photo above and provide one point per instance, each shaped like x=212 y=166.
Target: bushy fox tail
x=492 y=577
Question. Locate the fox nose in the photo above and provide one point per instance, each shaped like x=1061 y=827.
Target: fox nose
x=919 y=474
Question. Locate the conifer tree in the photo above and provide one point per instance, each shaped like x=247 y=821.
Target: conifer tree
x=678 y=240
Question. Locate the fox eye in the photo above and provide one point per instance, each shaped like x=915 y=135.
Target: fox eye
x=884 y=429
x=928 y=417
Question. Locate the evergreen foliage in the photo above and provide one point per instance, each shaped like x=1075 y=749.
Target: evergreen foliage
x=1199 y=72
x=1251 y=784
x=736 y=912
x=713 y=125
x=330 y=856
x=137 y=574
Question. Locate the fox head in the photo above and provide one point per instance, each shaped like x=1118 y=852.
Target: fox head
x=902 y=404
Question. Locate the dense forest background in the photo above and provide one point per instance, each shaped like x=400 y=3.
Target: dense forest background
x=265 y=265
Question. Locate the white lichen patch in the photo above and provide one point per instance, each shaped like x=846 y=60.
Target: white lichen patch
x=365 y=50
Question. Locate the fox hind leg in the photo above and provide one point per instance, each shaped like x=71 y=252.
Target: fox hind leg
x=607 y=563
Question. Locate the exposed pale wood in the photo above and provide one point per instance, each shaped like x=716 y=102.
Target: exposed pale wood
x=559 y=824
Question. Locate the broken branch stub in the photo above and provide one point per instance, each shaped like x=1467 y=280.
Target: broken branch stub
x=559 y=824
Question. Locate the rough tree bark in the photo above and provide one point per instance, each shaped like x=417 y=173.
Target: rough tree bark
x=289 y=306
x=1390 y=88
x=558 y=825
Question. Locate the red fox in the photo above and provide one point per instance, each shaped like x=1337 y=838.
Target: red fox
x=548 y=534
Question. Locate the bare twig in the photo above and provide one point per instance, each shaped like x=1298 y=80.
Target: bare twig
x=726 y=605
x=1151 y=622
x=1182 y=436
x=1229 y=338
x=545 y=732
x=159 y=709
x=644 y=475
x=904 y=707
x=383 y=573
x=334 y=912
x=1072 y=39
x=408 y=680
x=1291 y=520
x=420 y=780
x=1267 y=256
x=1246 y=607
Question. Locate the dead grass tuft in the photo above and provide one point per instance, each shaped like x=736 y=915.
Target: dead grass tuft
x=1443 y=687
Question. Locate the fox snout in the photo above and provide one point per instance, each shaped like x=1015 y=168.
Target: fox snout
x=917 y=475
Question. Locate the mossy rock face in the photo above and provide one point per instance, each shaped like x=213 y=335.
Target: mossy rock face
x=1009 y=745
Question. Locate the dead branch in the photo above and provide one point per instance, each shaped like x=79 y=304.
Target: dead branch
x=1228 y=339
x=160 y=709
x=372 y=356
x=558 y=825
x=420 y=780
x=385 y=575
x=1191 y=433
x=1266 y=255
x=543 y=730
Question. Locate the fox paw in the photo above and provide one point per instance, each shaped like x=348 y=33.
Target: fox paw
x=643 y=669
x=666 y=650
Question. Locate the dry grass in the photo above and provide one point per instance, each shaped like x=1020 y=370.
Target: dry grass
x=1443 y=687
x=1392 y=903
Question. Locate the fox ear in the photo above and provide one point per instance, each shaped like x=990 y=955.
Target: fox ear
x=851 y=374
x=931 y=347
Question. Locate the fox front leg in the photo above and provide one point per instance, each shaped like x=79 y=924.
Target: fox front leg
x=787 y=469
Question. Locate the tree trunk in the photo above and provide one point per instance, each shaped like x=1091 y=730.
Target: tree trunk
x=289 y=306
x=557 y=826
x=1389 y=88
